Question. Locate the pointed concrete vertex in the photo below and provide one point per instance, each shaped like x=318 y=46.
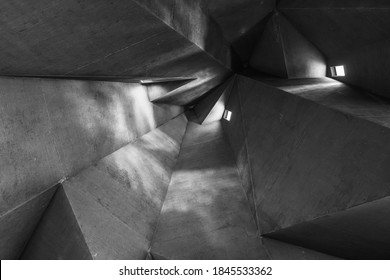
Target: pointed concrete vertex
x=17 y=225
x=125 y=191
x=117 y=201
x=282 y=51
x=303 y=59
x=193 y=90
x=106 y=236
x=361 y=232
x=189 y=18
x=212 y=106
x=268 y=54
x=158 y=89
x=58 y=235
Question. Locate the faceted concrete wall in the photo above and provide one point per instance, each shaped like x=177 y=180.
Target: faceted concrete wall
x=307 y=149
x=110 y=210
x=51 y=129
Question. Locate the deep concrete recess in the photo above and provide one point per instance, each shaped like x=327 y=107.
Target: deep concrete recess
x=350 y=33
x=205 y=214
x=313 y=148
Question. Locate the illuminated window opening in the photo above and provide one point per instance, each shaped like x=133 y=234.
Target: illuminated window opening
x=227 y=115
x=337 y=71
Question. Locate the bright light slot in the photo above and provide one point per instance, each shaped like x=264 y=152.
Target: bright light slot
x=227 y=115
x=337 y=71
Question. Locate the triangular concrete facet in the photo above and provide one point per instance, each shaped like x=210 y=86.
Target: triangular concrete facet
x=58 y=235
x=303 y=59
x=268 y=55
x=211 y=107
x=282 y=51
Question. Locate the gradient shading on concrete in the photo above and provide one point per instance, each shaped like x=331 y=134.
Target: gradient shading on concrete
x=309 y=149
x=117 y=201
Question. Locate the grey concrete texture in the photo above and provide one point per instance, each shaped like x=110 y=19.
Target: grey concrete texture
x=367 y=67
x=116 y=202
x=346 y=25
x=205 y=214
x=268 y=55
x=236 y=135
x=237 y=17
x=52 y=36
x=58 y=235
x=53 y=128
x=208 y=75
x=104 y=39
x=57 y=34
x=315 y=157
x=338 y=96
x=190 y=19
x=303 y=59
x=283 y=51
x=158 y=89
x=360 y=232
x=17 y=225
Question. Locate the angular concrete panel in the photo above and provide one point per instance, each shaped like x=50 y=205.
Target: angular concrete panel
x=190 y=19
x=205 y=214
x=282 y=51
x=53 y=128
x=29 y=161
x=117 y=201
x=303 y=59
x=58 y=235
x=211 y=107
x=319 y=148
x=339 y=27
x=17 y=225
x=361 y=232
x=268 y=55
x=367 y=68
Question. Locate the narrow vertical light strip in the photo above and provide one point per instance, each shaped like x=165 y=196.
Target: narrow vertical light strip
x=227 y=115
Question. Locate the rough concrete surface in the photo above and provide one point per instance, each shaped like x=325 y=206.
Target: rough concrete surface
x=360 y=232
x=317 y=159
x=17 y=226
x=205 y=214
x=58 y=234
x=284 y=52
x=116 y=202
x=53 y=128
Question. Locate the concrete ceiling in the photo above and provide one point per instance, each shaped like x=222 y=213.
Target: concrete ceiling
x=101 y=38
x=129 y=39
x=237 y=17
x=240 y=22
x=347 y=25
